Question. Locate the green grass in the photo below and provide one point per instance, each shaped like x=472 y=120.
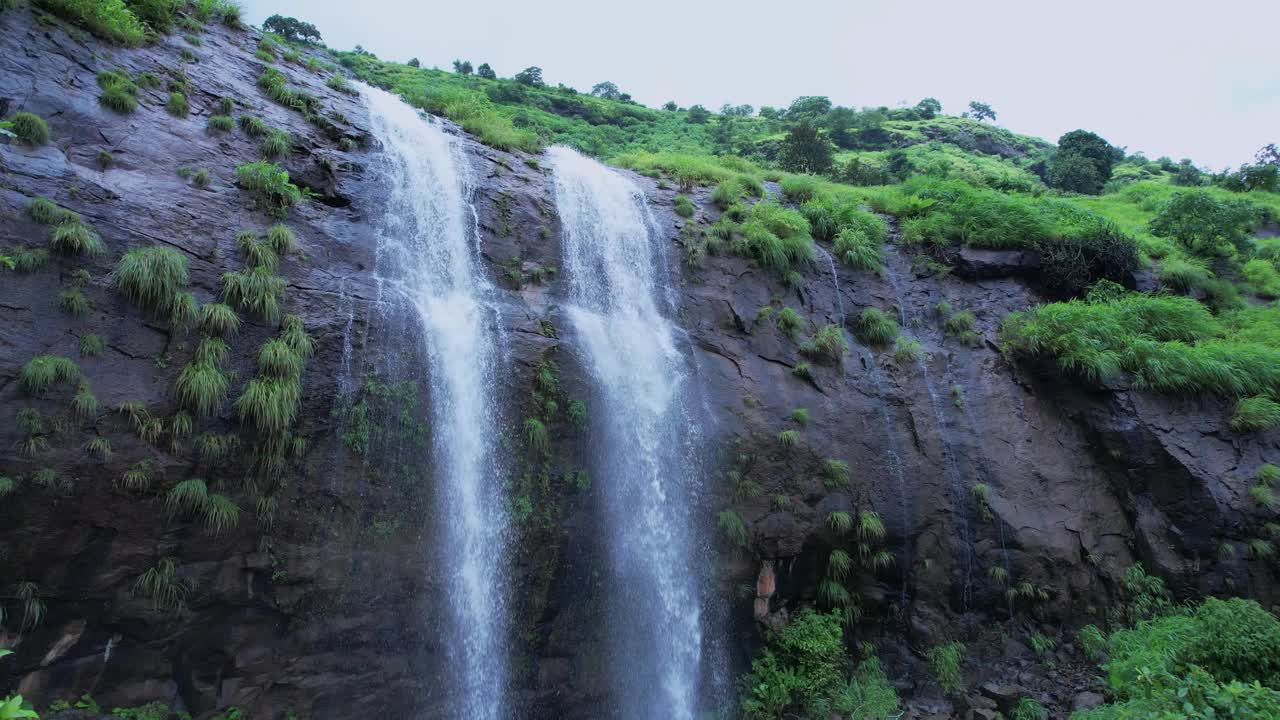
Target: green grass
x=73 y=302
x=276 y=143
x=119 y=91
x=214 y=447
x=276 y=358
x=226 y=106
x=202 y=387
x=253 y=126
x=777 y=237
x=72 y=236
x=110 y=20
x=177 y=105
x=139 y=476
x=835 y=474
x=152 y=276
x=269 y=403
x=221 y=123
x=840 y=522
x=42 y=372
x=828 y=343
x=219 y=319
x=161 y=585
x=91 y=346
x=945 y=662
x=84 y=404
x=339 y=83
x=30 y=129
x=536 y=437
x=46 y=212
x=788 y=438
x=732 y=528
x=201 y=178
x=221 y=514
x=877 y=328
x=281 y=240
x=683 y=206
x=858 y=249
x=1256 y=414
x=269 y=184
x=256 y=291
x=257 y=252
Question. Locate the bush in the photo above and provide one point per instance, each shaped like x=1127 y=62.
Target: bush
x=876 y=327
x=156 y=14
x=108 y=19
x=29 y=129
x=277 y=143
x=1203 y=224
x=152 y=276
x=777 y=237
x=945 y=661
x=177 y=105
x=270 y=185
x=799 y=671
x=1098 y=250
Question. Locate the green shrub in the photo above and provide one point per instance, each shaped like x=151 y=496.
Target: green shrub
x=226 y=106
x=906 y=350
x=84 y=404
x=256 y=291
x=108 y=19
x=152 y=276
x=799 y=672
x=728 y=192
x=72 y=236
x=778 y=238
x=945 y=661
x=1263 y=277
x=269 y=184
x=1183 y=274
x=91 y=346
x=683 y=206
x=28 y=128
x=828 y=342
x=105 y=159
x=857 y=249
x=44 y=371
x=799 y=188
x=1268 y=475
x=1028 y=709
x=1204 y=224
x=276 y=143
x=253 y=126
x=788 y=438
x=281 y=240
x=876 y=327
x=1256 y=413
x=830 y=214
x=221 y=123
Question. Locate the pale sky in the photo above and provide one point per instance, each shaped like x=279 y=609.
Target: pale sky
x=1177 y=78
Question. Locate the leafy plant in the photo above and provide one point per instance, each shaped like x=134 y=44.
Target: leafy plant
x=876 y=327
x=269 y=184
x=151 y=276
x=30 y=129
x=732 y=527
x=945 y=661
x=161 y=584
x=44 y=371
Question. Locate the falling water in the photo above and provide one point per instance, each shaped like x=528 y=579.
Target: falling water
x=642 y=378
x=835 y=280
x=950 y=466
x=426 y=253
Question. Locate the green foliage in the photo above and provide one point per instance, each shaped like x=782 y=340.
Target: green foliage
x=858 y=249
x=876 y=327
x=269 y=403
x=788 y=321
x=788 y=438
x=777 y=237
x=91 y=345
x=161 y=585
x=73 y=301
x=202 y=386
x=945 y=661
x=801 y=672
x=270 y=185
x=220 y=514
x=840 y=522
x=536 y=437
x=25 y=260
x=84 y=404
x=683 y=206
x=138 y=476
x=1256 y=413
x=339 y=83
x=1205 y=224
x=799 y=188
x=119 y=92
x=221 y=123
x=152 y=276
x=30 y=129
x=906 y=350
x=1028 y=709
x=256 y=291
x=46 y=212
x=219 y=319
x=253 y=126
x=732 y=527
x=71 y=236
x=828 y=342
x=177 y=105
x=108 y=19
x=276 y=143
x=1092 y=642
x=806 y=150
x=44 y=371
x=835 y=474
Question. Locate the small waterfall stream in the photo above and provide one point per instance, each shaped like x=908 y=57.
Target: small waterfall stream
x=951 y=467
x=613 y=268
x=426 y=253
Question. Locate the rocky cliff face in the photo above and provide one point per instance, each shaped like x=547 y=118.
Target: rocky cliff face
x=327 y=607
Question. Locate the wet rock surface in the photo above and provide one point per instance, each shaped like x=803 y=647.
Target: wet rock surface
x=330 y=610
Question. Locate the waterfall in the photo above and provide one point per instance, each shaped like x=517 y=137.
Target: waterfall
x=643 y=415
x=951 y=468
x=426 y=253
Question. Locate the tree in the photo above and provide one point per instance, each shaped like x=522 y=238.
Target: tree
x=981 y=111
x=737 y=110
x=462 y=67
x=291 y=29
x=806 y=150
x=1187 y=175
x=724 y=134
x=486 y=72
x=1204 y=224
x=698 y=115
x=414 y=62
x=928 y=108
x=1269 y=155
x=808 y=108
x=531 y=76
x=670 y=106
x=606 y=90
x=770 y=113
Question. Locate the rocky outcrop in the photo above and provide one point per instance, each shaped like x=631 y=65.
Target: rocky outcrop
x=330 y=608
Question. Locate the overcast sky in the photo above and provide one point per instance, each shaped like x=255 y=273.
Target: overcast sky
x=1175 y=78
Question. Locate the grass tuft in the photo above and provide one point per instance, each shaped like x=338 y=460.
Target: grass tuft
x=151 y=276
x=91 y=346
x=256 y=291
x=177 y=105
x=72 y=236
x=219 y=319
x=876 y=327
x=44 y=371
x=30 y=129
x=1256 y=413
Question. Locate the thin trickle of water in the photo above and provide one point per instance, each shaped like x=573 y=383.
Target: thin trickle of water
x=613 y=269
x=950 y=466
x=427 y=254
x=835 y=281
